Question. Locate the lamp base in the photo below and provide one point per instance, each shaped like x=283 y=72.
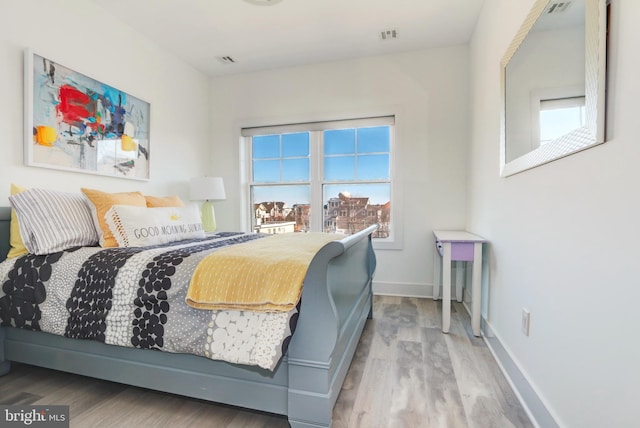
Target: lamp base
x=208 y=217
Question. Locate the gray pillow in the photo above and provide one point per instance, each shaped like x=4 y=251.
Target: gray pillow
x=52 y=221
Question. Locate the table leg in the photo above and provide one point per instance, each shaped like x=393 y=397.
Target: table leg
x=476 y=306
x=446 y=287
x=459 y=280
x=437 y=265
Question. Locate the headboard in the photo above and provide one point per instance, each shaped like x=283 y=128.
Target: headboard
x=5 y=226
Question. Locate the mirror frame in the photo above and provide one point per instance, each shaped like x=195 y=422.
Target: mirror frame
x=595 y=82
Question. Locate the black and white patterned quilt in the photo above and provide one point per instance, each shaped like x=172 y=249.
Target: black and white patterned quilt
x=135 y=297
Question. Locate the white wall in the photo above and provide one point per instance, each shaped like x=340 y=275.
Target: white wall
x=563 y=237
x=427 y=90
x=85 y=37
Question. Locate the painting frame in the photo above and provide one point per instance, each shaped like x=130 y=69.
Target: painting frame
x=73 y=122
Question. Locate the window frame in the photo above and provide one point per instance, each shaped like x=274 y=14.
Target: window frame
x=576 y=104
x=316 y=170
x=538 y=97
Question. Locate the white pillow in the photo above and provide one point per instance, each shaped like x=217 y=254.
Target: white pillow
x=52 y=221
x=141 y=226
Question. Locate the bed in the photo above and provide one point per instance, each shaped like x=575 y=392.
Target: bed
x=304 y=385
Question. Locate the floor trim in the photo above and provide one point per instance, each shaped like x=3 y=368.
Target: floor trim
x=530 y=400
x=403 y=289
x=528 y=397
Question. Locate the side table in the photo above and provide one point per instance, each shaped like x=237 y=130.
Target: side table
x=459 y=246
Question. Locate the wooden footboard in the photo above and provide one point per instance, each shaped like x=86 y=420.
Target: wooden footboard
x=336 y=302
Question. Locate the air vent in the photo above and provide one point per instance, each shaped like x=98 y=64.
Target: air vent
x=389 y=34
x=226 y=60
x=558 y=6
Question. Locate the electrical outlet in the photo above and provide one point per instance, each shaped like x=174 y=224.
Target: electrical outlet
x=526 y=321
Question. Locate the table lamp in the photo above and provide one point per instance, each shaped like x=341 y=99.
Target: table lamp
x=207 y=189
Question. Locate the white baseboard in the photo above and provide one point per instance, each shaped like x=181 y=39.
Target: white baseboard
x=534 y=406
x=531 y=401
x=404 y=289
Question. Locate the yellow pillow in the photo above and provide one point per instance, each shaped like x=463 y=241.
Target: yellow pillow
x=165 y=201
x=101 y=202
x=15 y=239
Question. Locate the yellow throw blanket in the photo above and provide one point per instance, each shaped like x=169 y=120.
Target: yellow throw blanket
x=262 y=275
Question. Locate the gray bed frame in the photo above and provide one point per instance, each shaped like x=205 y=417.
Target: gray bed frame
x=336 y=301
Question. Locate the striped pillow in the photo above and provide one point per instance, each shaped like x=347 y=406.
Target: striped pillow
x=53 y=221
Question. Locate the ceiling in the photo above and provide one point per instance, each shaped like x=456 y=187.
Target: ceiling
x=293 y=32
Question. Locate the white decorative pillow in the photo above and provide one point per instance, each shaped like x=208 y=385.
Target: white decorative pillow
x=141 y=226
x=53 y=221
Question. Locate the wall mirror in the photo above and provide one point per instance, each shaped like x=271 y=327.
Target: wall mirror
x=553 y=84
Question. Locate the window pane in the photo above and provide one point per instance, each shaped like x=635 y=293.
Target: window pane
x=373 y=167
x=349 y=208
x=281 y=209
x=266 y=146
x=295 y=169
x=339 y=168
x=372 y=140
x=339 y=141
x=358 y=157
x=266 y=171
x=290 y=195
x=295 y=144
x=558 y=122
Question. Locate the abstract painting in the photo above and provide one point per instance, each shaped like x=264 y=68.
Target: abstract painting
x=76 y=123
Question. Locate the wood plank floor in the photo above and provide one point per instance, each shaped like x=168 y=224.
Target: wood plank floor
x=406 y=373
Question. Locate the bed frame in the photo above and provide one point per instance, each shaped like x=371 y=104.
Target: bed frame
x=336 y=301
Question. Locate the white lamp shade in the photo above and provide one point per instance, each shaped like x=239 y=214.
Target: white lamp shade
x=206 y=189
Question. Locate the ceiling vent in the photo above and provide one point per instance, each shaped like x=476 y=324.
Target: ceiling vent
x=226 y=60
x=389 y=34
x=558 y=6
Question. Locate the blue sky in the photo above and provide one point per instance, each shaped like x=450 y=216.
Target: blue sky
x=558 y=122
x=349 y=154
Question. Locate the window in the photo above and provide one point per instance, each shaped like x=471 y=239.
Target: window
x=559 y=117
x=322 y=176
x=555 y=113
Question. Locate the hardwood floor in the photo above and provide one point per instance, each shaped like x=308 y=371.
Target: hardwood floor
x=406 y=373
